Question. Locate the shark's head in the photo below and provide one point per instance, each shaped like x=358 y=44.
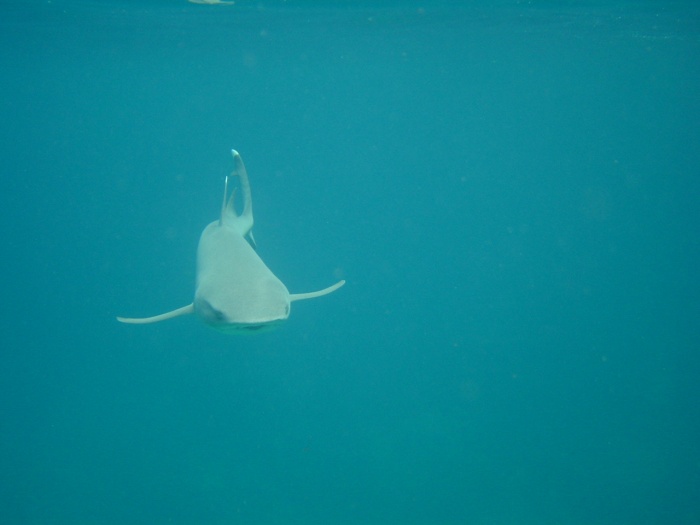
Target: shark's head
x=256 y=311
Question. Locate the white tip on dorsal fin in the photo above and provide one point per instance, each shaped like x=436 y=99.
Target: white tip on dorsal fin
x=156 y=318
x=311 y=295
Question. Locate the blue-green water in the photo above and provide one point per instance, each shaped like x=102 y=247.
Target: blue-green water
x=512 y=191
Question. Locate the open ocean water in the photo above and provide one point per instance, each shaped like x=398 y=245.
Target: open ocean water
x=511 y=190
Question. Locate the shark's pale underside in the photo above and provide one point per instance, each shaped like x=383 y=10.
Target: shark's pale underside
x=235 y=291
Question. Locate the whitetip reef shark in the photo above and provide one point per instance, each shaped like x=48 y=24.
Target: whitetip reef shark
x=235 y=291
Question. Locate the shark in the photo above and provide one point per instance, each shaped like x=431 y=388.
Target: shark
x=235 y=291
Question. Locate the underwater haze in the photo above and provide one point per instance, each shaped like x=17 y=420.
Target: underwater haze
x=510 y=189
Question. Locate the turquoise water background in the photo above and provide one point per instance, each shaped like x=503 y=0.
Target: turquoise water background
x=511 y=190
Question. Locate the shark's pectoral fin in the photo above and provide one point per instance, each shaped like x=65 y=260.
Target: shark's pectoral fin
x=311 y=295
x=156 y=318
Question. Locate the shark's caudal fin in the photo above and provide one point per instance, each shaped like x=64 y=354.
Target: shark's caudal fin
x=156 y=318
x=311 y=295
